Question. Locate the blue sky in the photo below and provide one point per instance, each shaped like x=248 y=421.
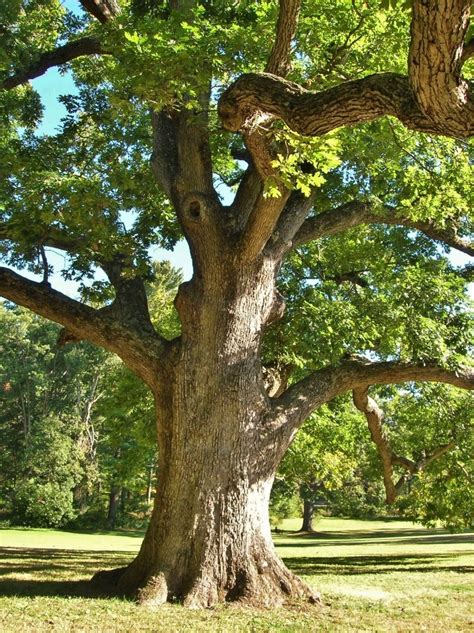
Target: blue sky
x=53 y=84
x=50 y=86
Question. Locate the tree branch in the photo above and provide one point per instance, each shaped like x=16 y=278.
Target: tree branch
x=434 y=98
x=56 y=57
x=374 y=416
x=317 y=113
x=279 y=61
x=103 y=10
x=53 y=238
x=355 y=213
x=292 y=408
x=438 y=31
x=294 y=214
x=139 y=350
x=265 y=211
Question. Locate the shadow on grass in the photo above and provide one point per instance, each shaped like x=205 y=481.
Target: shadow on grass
x=354 y=565
x=311 y=539
x=48 y=572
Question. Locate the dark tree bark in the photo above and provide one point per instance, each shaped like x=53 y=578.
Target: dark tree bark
x=113 y=506
x=308 y=492
x=308 y=515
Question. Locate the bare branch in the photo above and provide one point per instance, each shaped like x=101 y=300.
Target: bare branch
x=56 y=57
x=301 y=399
x=374 y=416
x=279 y=62
x=103 y=10
x=139 y=350
x=355 y=213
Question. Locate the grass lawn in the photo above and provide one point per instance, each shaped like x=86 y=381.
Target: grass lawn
x=374 y=576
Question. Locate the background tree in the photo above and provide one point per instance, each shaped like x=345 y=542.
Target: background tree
x=149 y=77
x=48 y=439
x=76 y=426
x=323 y=456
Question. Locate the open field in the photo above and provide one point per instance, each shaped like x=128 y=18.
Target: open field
x=374 y=576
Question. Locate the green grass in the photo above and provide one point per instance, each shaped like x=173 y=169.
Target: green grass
x=374 y=576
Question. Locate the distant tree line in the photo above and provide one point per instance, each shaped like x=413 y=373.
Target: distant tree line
x=77 y=433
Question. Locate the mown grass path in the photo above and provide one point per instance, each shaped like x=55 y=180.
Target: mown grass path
x=374 y=576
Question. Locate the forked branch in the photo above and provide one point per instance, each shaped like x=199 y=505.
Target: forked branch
x=388 y=459
x=265 y=212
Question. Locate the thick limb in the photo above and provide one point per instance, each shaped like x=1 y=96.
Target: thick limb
x=432 y=98
x=301 y=399
x=140 y=350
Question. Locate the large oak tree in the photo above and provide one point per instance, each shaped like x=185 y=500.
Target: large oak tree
x=206 y=88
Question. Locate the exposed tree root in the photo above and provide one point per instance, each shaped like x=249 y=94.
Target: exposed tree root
x=261 y=586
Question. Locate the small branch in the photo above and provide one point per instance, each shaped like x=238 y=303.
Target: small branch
x=52 y=237
x=355 y=213
x=45 y=265
x=279 y=62
x=56 y=57
x=351 y=276
x=436 y=454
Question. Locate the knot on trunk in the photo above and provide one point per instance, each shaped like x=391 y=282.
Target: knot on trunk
x=195 y=207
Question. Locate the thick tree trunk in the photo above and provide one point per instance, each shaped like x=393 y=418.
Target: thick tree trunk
x=209 y=538
x=308 y=493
